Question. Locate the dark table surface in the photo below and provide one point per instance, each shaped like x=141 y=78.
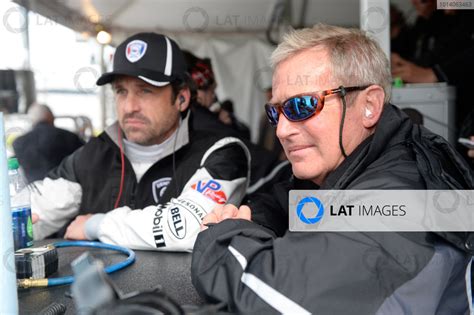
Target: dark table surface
x=171 y=271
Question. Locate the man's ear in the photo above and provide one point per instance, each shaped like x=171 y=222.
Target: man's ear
x=373 y=105
x=183 y=99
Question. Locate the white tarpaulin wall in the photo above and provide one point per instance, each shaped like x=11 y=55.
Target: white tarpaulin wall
x=241 y=66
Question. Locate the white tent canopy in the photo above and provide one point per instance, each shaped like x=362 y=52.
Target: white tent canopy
x=185 y=16
x=238 y=36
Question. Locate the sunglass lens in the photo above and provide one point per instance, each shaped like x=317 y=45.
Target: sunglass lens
x=272 y=114
x=300 y=108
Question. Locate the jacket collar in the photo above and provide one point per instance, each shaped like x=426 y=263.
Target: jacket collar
x=392 y=124
x=182 y=136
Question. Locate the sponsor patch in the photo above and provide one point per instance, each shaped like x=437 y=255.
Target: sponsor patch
x=195 y=209
x=158 y=228
x=212 y=190
x=135 y=50
x=158 y=187
x=177 y=223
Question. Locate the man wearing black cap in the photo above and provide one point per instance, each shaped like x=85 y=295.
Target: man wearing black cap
x=150 y=160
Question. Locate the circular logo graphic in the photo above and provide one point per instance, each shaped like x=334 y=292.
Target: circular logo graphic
x=85 y=79
x=9 y=17
x=375 y=20
x=11 y=134
x=9 y=261
x=310 y=200
x=446 y=202
x=195 y=19
x=263 y=78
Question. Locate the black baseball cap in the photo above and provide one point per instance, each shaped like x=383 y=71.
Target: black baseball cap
x=154 y=58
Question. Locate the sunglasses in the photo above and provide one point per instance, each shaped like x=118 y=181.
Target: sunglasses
x=303 y=106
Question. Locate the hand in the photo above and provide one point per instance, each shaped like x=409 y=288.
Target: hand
x=470 y=152
x=34 y=218
x=75 y=230
x=410 y=72
x=223 y=212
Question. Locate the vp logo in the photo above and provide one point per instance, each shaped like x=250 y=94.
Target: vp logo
x=310 y=200
x=212 y=190
x=212 y=185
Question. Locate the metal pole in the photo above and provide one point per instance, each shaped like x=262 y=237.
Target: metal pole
x=26 y=36
x=103 y=104
x=8 y=290
x=375 y=20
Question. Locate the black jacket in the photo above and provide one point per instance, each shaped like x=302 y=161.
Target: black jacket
x=445 y=43
x=194 y=172
x=97 y=167
x=265 y=165
x=43 y=148
x=254 y=271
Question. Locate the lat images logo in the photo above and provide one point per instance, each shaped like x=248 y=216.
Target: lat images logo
x=312 y=202
x=212 y=190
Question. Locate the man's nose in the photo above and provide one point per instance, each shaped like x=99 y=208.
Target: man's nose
x=131 y=104
x=285 y=128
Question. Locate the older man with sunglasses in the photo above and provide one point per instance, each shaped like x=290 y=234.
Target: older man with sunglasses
x=330 y=105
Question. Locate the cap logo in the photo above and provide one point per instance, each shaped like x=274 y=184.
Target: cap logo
x=135 y=50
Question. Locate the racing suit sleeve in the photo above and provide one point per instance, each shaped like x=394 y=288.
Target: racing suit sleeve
x=56 y=199
x=221 y=178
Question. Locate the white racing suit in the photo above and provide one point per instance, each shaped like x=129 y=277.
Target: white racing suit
x=207 y=171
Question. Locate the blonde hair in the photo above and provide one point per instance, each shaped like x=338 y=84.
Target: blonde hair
x=356 y=59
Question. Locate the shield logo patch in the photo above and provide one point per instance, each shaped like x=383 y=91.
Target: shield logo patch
x=135 y=50
x=159 y=187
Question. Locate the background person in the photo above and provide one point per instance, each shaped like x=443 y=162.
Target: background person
x=45 y=146
x=227 y=116
x=266 y=168
x=439 y=47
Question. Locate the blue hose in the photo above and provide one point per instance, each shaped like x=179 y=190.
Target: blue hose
x=109 y=269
